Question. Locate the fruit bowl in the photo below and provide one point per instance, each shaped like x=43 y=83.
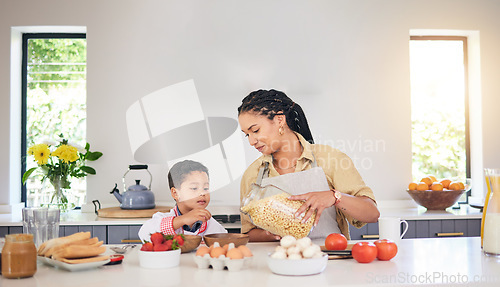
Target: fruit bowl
x=159 y=259
x=435 y=200
x=191 y=242
x=226 y=238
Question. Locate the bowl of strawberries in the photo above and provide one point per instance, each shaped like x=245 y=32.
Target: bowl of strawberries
x=164 y=251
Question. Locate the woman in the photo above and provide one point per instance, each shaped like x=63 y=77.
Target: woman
x=277 y=127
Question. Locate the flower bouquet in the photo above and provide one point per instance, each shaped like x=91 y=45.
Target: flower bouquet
x=58 y=166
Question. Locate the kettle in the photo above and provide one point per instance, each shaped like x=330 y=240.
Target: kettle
x=136 y=196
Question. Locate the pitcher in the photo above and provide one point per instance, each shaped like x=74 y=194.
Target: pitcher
x=491 y=214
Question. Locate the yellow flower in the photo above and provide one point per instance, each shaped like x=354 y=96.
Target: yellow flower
x=66 y=153
x=41 y=153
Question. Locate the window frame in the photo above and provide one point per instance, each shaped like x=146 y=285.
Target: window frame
x=24 y=91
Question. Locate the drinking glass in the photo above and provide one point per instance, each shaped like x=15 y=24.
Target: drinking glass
x=28 y=220
x=53 y=220
x=40 y=218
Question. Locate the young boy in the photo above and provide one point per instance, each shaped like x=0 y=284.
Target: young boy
x=189 y=186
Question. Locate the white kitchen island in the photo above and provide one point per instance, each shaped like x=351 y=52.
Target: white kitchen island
x=447 y=261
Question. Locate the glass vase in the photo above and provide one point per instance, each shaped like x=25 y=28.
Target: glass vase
x=58 y=198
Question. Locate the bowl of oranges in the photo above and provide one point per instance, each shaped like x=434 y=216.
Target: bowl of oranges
x=436 y=194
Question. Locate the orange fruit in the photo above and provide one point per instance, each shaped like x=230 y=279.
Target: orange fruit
x=462 y=186
x=445 y=182
x=422 y=186
x=454 y=185
x=412 y=186
x=427 y=180
x=433 y=178
x=436 y=186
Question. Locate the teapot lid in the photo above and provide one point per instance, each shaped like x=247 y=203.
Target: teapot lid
x=137 y=186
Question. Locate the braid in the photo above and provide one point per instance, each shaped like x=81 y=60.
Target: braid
x=271 y=103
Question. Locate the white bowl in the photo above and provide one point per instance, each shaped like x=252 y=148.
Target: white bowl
x=159 y=259
x=307 y=266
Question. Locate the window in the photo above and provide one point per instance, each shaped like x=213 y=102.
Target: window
x=439 y=107
x=53 y=103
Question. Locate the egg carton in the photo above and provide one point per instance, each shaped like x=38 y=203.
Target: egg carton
x=204 y=262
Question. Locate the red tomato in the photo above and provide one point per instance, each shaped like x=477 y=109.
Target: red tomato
x=336 y=241
x=364 y=252
x=386 y=249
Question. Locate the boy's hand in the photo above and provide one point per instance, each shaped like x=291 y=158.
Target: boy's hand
x=191 y=217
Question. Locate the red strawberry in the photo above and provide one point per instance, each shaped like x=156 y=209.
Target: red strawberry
x=180 y=239
x=169 y=244
x=161 y=247
x=147 y=246
x=157 y=238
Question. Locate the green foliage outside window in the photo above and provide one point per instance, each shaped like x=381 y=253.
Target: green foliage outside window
x=56 y=96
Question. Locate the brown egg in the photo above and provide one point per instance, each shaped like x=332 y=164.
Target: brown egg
x=216 y=252
x=234 y=253
x=226 y=247
x=245 y=250
x=202 y=250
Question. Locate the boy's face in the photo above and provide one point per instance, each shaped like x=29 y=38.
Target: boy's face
x=194 y=191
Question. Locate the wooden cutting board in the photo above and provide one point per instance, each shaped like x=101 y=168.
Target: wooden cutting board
x=117 y=212
x=343 y=256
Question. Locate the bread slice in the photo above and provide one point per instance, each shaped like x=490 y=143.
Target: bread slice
x=78 y=251
x=47 y=245
x=85 y=260
x=86 y=242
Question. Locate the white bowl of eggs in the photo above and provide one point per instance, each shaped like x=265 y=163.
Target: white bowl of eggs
x=234 y=258
x=297 y=257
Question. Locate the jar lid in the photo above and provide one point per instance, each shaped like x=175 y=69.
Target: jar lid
x=19 y=237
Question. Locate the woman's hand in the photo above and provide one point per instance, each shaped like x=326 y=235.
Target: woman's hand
x=361 y=208
x=314 y=201
x=257 y=234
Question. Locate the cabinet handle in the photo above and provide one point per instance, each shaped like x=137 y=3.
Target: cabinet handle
x=369 y=236
x=131 y=241
x=449 y=234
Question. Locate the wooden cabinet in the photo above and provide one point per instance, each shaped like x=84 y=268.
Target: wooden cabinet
x=425 y=229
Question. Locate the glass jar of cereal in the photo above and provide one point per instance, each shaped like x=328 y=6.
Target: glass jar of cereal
x=269 y=208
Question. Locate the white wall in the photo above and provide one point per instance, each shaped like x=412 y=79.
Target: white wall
x=345 y=62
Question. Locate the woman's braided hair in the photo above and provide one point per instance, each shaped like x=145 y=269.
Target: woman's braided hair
x=271 y=103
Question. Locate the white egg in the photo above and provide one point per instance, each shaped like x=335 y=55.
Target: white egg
x=278 y=255
x=293 y=250
x=294 y=256
x=288 y=241
x=303 y=243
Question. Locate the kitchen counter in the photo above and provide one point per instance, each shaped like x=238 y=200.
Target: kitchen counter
x=446 y=261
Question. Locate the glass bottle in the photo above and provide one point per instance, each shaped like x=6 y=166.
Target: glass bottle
x=491 y=214
x=18 y=256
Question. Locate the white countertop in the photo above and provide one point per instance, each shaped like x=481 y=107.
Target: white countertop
x=410 y=213
x=425 y=261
